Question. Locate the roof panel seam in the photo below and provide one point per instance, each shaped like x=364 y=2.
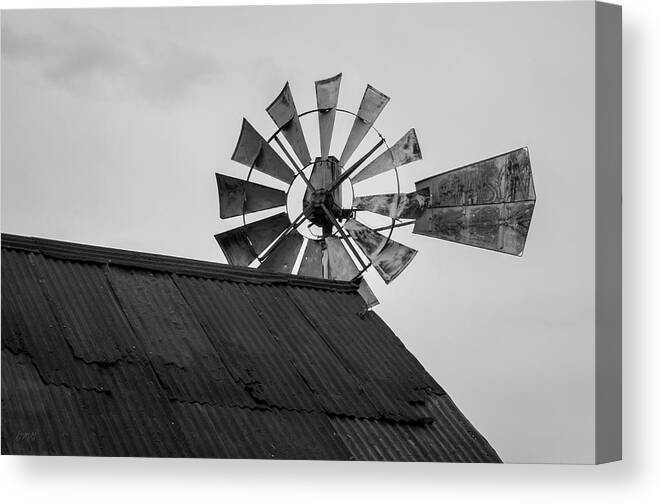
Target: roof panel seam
x=173 y=278
x=292 y=361
x=332 y=349
x=143 y=353
x=55 y=310
x=219 y=353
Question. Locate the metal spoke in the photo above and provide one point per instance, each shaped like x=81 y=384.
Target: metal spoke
x=284 y=235
x=354 y=167
x=294 y=164
x=330 y=215
x=399 y=224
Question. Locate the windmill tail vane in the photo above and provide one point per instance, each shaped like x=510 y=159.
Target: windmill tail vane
x=486 y=204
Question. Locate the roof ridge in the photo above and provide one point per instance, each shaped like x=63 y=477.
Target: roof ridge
x=164 y=263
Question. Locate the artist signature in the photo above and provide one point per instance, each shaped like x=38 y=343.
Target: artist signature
x=26 y=436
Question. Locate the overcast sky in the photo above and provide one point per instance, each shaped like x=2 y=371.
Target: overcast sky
x=115 y=121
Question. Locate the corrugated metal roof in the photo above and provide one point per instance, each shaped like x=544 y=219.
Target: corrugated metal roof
x=111 y=352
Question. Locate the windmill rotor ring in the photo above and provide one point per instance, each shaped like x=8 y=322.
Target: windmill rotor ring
x=351 y=185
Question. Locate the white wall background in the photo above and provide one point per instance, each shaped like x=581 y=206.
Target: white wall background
x=107 y=480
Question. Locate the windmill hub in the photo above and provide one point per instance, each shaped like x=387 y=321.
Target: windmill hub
x=315 y=208
x=324 y=172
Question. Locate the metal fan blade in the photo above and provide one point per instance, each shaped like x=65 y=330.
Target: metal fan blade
x=370 y=107
x=327 y=93
x=284 y=255
x=405 y=151
x=501 y=179
x=284 y=115
x=367 y=294
x=337 y=262
x=389 y=257
x=502 y=227
x=311 y=263
x=395 y=206
x=254 y=152
x=488 y=204
x=242 y=245
x=233 y=192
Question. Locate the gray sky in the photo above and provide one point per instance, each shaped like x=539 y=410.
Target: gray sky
x=114 y=122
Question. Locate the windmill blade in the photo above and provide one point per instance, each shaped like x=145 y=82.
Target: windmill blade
x=395 y=206
x=337 y=262
x=234 y=192
x=254 y=152
x=501 y=179
x=341 y=266
x=488 y=204
x=242 y=245
x=367 y=294
x=284 y=115
x=388 y=257
x=282 y=258
x=311 y=264
x=405 y=151
x=371 y=105
x=327 y=93
x=502 y=227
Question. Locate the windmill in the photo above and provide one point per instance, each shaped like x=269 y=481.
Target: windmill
x=487 y=204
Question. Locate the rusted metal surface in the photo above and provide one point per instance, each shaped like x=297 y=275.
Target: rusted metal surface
x=337 y=262
x=395 y=206
x=327 y=93
x=84 y=304
x=181 y=354
x=502 y=227
x=311 y=263
x=243 y=244
x=436 y=441
x=284 y=115
x=393 y=259
x=237 y=433
x=370 y=108
x=388 y=257
x=342 y=233
x=290 y=229
x=352 y=339
x=253 y=356
x=336 y=389
x=283 y=257
x=501 y=179
x=79 y=254
x=130 y=359
x=349 y=171
x=488 y=204
x=405 y=151
x=132 y=418
x=369 y=240
x=234 y=193
x=254 y=152
x=30 y=326
x=367 y=294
